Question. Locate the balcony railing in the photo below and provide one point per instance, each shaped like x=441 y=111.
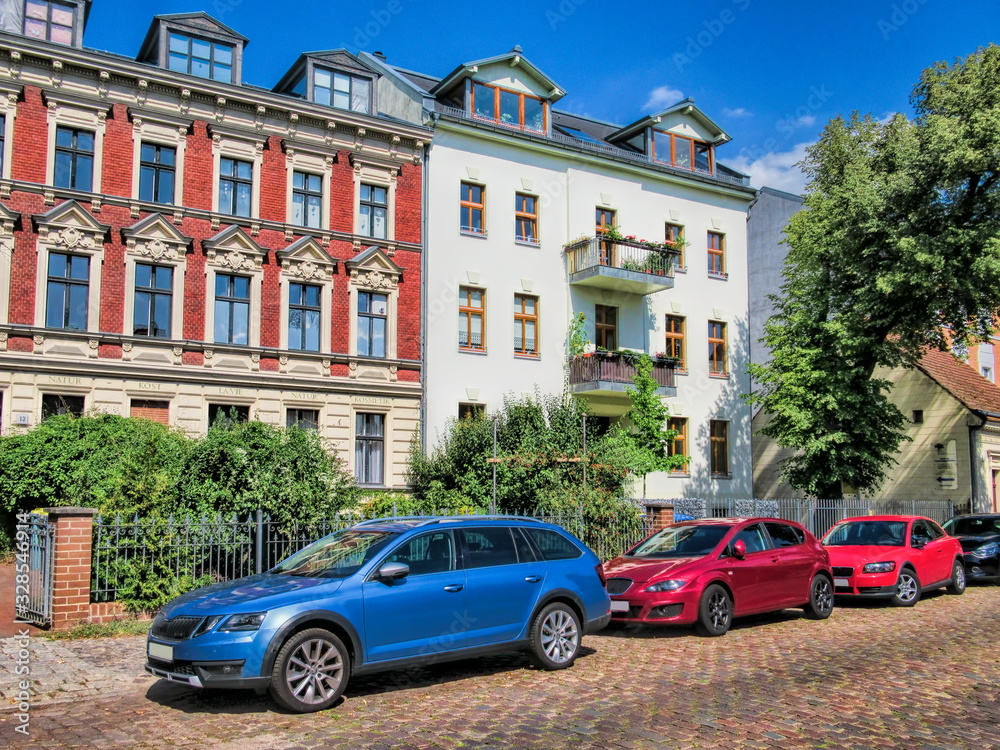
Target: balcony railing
x=621 y=265
x=612 y=152
x=610 y=371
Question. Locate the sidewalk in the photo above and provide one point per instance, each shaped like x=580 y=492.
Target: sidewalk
x=72 y=670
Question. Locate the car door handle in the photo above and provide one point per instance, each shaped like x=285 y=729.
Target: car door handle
x=454 y=587
x=532 y=579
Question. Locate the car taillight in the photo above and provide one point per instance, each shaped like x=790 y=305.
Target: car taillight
x=599 y=569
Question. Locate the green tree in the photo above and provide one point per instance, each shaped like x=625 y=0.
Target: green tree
x=898 y=250
x=649 y=415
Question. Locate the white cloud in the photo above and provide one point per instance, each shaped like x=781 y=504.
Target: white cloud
x=662 y=97
x=886 y=118
x=776 y=169
x=737 y=112
x=806 y=121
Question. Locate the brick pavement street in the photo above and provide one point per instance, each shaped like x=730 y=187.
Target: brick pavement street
x=870 y=677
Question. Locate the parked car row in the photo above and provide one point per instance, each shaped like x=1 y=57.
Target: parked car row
x=393 y=593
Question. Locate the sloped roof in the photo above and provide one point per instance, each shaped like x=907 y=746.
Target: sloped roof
x=961 y=381
x=685 y=106
x=517 y=57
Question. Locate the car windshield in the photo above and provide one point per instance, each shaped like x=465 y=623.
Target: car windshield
x=336 y=556
x=857 y=533
x=681 y=541
x=974 y=526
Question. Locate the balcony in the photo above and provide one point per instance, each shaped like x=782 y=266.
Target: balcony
x=620 y=265
x=609 y=373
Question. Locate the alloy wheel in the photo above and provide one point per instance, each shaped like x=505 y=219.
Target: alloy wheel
x=560 y=637
x=906 y=587
x=315 y=670
x=718 y=610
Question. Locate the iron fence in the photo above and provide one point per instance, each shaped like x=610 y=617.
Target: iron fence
x=195 y=551
x=816 y=515
x=34 y=557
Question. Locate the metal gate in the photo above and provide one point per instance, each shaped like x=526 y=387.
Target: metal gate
x=35 y=551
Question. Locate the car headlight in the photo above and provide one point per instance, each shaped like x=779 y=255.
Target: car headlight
x=250 y=621
x=665 y=586
x=988 y=550
x=879 y=567
x=207 y=624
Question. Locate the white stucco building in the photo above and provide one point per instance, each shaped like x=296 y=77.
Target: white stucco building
x=511 y=182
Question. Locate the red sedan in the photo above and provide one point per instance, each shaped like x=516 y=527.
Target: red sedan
x=893 y=557
x=706 y=572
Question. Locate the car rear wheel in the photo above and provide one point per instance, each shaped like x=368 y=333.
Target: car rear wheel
x=957 y=585
x=555 y=637
x=715 y=611
x=820 y=604
x=310 y=671
x=907 y=589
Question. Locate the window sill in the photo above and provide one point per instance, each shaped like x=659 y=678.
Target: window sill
x=680 y=475
x=719 y=375
x=527 y=243
x=463 y=350
x=680 y=269
x=472 y=233
x=526 y=355
x=721 y=476
x=681 y=371
x=719 y=276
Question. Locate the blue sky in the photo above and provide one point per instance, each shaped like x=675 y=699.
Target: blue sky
x=770 y=73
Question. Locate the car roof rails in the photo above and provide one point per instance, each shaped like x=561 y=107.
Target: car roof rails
x=427 y=520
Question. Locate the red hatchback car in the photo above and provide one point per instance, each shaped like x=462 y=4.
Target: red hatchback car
x=709 y=571
x=893 y=557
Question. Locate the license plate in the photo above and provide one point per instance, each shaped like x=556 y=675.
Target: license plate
x=841 y=582
x=619 y=606
x=159 y=651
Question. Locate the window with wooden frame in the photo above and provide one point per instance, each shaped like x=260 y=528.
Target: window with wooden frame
x=717 y=255
x=606 y=327
x=678 y=446
x=717 y=348
x=719 y=446
x=471 y=319
x=510 y=108
x=471 y=411
x=674 y=234
x=473 y=208
x=675 y=340
x=605 y=218
x=526 y=218
x=49 y=20
x=679 y=151
x=526 y=325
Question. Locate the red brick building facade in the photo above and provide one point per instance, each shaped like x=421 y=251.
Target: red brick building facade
x=174 y=244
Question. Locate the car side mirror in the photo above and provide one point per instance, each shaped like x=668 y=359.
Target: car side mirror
x=393 y=571
x=739 y=549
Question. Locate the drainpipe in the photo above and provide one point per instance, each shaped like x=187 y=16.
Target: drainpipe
x=984 y=417
x=424 y=261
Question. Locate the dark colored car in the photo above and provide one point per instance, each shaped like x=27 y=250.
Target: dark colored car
x=893 y=557
x=709 y=571
x=979 y=536
x=385 y=594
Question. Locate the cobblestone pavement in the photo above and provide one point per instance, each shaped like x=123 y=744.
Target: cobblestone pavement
x=869 y=677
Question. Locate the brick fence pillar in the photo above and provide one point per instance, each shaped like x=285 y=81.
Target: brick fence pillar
x=660 y=516
x=71 y=565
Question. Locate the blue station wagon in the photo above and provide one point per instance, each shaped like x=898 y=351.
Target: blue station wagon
x=385 y=594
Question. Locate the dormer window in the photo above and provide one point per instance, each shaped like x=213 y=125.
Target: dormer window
x=506 y=107
x=201 y=57
x=682 y=152
x=49 y=21
x=343 y=91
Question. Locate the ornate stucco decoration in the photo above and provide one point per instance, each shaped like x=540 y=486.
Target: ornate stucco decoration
x=306 y=259
x=69 y=226
x=155 y=237
x=233 y=248
x=374 y=269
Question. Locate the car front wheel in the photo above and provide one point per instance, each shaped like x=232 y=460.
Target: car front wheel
x=957 y=585
x=820 y=604
x=907 y=589
x=715 y=611
x=310 y=671
x=555 y=637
